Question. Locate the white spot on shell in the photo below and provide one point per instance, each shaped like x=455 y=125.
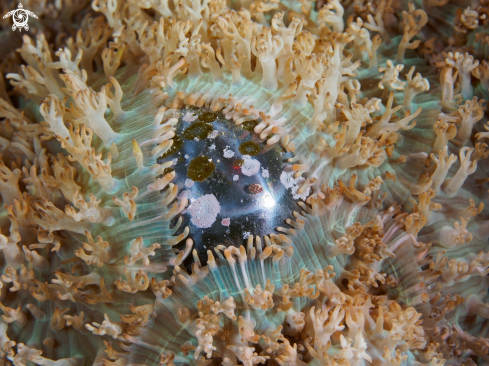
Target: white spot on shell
x=228 y=154
x=212 y=147
x=189 y=117
x=235 y=177
x=246 y=234
x=204 y=211
x=288 y=180
x=250 y=166
x=287 y=177
x=213 y=134
x=265 y=173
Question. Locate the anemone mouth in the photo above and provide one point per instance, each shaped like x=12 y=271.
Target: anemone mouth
x=237 y=185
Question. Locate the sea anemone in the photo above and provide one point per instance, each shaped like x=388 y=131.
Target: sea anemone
x=248 y=182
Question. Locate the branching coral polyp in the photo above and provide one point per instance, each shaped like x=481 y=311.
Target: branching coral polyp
x=133 y=134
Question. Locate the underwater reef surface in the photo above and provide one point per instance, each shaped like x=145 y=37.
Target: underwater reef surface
x=241 y=182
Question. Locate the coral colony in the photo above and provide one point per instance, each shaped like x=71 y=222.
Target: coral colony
x=243 y=182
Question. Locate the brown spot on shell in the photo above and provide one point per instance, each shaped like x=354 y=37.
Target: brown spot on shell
x=238 y=163
x=255 y=188
x=200 y=169
x=249 y=148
